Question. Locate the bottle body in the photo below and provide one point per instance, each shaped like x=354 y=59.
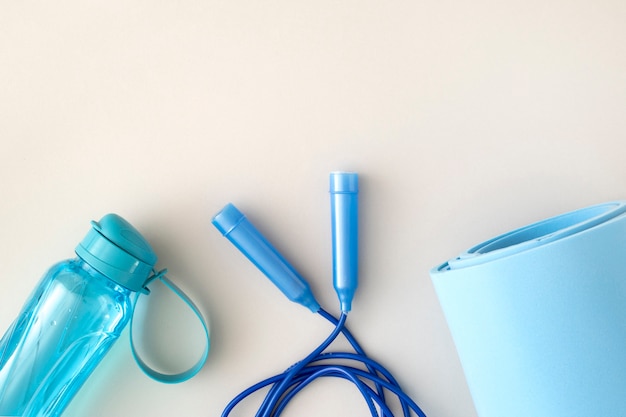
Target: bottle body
x=67 y=325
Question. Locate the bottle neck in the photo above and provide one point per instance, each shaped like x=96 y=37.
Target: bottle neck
x=96 y=275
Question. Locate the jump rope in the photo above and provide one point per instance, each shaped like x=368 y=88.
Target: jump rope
x=375 y=383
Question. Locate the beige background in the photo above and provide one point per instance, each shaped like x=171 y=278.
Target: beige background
x=464 y=120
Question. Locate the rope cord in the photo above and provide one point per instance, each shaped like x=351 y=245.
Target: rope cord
x=370 y=378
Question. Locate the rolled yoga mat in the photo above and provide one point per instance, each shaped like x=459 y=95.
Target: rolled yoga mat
x=538 y=316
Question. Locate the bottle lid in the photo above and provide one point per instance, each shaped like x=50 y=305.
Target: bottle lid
x=117 y=250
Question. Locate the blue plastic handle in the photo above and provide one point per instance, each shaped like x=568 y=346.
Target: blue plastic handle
x=241 y=233
x=344 y=189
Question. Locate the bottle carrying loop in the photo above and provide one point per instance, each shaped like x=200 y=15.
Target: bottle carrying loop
x=193 y=370
x=155 y=275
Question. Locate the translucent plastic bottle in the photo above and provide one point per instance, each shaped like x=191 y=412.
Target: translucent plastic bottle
x=71 y=320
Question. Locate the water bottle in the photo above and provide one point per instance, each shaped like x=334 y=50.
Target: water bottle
x=72 y=319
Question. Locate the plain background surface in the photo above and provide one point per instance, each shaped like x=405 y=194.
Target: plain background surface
x=464 y=120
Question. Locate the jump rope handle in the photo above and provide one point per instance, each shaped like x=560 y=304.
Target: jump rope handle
x=241 y=232
x=344 y=189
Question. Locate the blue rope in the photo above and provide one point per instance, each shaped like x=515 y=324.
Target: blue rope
x=369 y=377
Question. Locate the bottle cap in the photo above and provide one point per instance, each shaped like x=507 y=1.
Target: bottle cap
x=117 y=250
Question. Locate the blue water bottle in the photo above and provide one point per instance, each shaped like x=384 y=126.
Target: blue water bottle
x=72 y=318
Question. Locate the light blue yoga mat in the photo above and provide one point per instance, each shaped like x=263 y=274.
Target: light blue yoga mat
x=538 y=316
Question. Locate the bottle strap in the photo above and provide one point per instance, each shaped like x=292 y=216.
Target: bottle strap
x=186 y=374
